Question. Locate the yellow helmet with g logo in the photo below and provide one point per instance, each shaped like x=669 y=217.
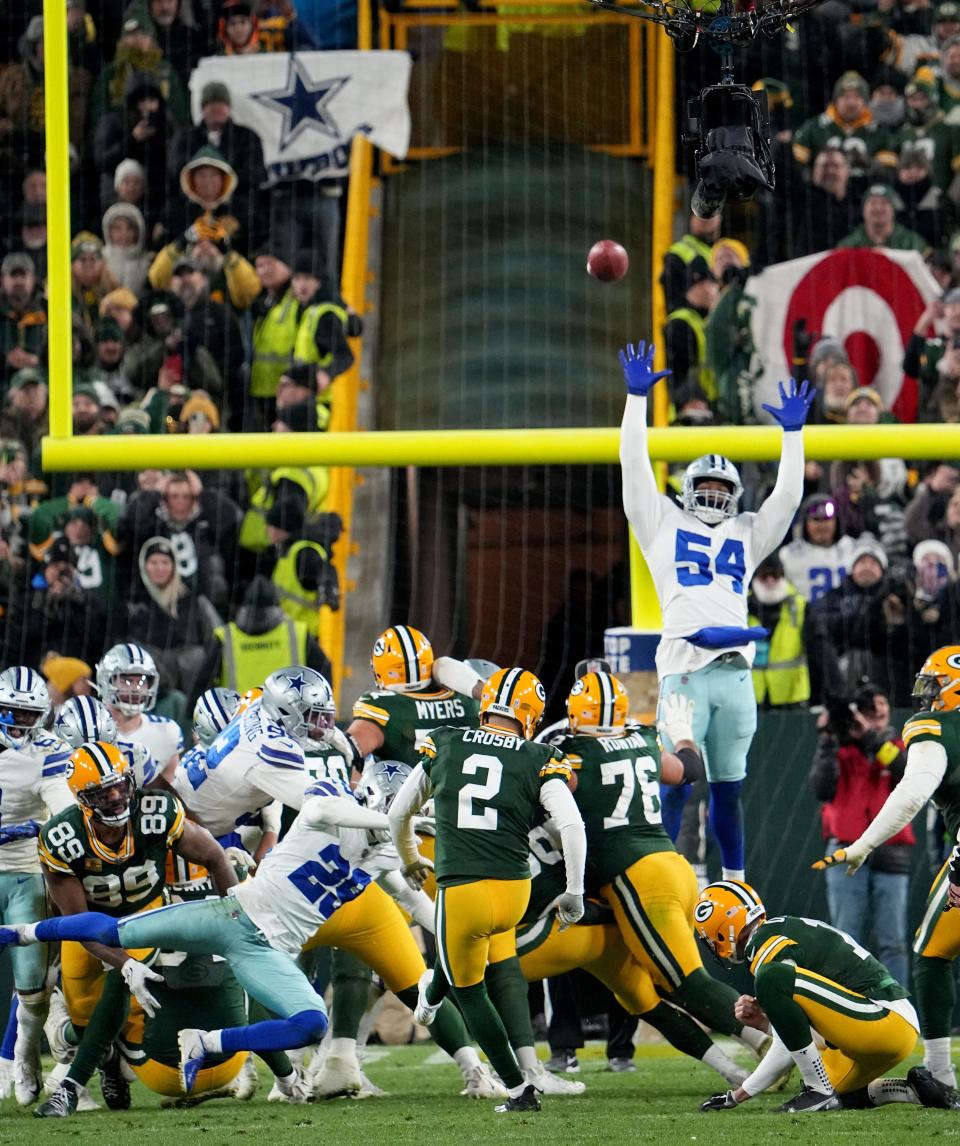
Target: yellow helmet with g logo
x=724 y=914
x=402 y=659
x=102 y=783
x=517 y=694
x=938 y=682
x=597 y=705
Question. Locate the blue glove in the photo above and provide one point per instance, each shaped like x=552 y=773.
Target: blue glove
x=795 y=405
x=30 y=829
x=637 y=366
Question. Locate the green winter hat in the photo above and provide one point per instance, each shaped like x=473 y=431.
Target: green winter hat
x=850 y=82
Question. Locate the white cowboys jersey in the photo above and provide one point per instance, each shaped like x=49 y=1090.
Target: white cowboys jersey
x=701 y=573
x=33 y=784
x=160 y=735
x=816 y=569
x=252 y=762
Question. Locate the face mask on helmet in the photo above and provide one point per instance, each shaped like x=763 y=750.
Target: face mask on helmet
x=380 y=782
x=99 y=776
x=24 y=706
x=18 y=726
x=300 y=700
x=133 y=692
x=111 y=801
x=321 y=723
x=938 y=683
x=708 y=504
x=128 y=679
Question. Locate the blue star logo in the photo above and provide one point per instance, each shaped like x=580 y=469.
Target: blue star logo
x=392 y=771
x=303 y=103
x=298 y=683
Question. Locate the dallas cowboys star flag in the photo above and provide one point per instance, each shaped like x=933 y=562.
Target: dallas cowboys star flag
x=307 y=106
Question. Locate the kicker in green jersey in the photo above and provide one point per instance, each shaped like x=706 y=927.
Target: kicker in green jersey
x=407 y=718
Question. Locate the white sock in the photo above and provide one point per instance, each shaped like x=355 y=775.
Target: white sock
x=753 y=1038
x=467 y=1059
x=937 y=1056
x=734 y=873
x=344 y=1047
x=286 y=1081
x=516 y=1091
x=30 y=1015
x=211 y=1041
x=724 y=1066
x=527 y=1058
x=812 y=1070
x=28 y=933
x=883 y=1091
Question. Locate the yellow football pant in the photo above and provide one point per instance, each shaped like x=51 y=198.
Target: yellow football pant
x=938 y=936
x=864 y=1039
x=476 y=921
x=599 y=949
x=373 y=928
x=163 y=1079
x=653 y=904
x=427 y=846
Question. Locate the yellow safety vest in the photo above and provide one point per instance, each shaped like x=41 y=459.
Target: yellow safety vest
x=297 y=602
x=248 y=659
x=274 y=337
x=785 y=679
x=697 y=323
x=313 y=480
x=689 y=248
x=305 y=345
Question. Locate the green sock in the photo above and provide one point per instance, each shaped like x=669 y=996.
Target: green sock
x=447 y=1029
x=71 y=1034
x=485 y=1026
x=351 y=994
x=508 y=993
x=438 y=987
x=679 y=1030
x=935 y=990
x=774 y=985
x=106 y=1023
x=709 y=1001
x=277 y=1062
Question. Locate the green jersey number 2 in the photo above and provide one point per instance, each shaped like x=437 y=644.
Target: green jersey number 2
x=486 y=820
x=632 y=774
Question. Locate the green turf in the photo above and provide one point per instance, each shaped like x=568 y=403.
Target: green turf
x=656 y=1104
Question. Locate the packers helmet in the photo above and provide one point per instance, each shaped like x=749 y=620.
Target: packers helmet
x=402 y=659
x=597 y=705
x=938 y=682
x=725 y=914
x=24 y=706
x=102 y=783
x=514 y=693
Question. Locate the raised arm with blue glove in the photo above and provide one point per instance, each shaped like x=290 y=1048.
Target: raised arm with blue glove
x=637 y=363
x=792 y=413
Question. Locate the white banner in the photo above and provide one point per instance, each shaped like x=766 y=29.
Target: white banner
x=869 y=300
x=307 y=106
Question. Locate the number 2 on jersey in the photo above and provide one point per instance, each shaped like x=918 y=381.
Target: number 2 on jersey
x=486 y=820
x=692 y=556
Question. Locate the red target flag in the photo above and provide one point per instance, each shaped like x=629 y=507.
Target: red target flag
x=867 y=299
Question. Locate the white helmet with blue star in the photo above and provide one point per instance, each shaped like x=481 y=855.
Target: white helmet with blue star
x=301 y=700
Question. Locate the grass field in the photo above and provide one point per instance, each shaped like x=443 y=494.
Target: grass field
x=656 y=1104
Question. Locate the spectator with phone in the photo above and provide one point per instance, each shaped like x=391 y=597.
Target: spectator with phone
x=933 y=353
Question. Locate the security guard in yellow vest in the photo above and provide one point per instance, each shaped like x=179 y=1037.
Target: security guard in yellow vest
x=780 y=676
x=309 y=484
x=695 y=244
x=276 y=317
x=324 y=320
x=302 y=576
x=686 y=330
x=261 y=639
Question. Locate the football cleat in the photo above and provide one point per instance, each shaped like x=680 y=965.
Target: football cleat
x=56 y=1023
x=552 y=1083
x=27 y=1080
x=6 y=1077
x=810 y=1100
x=245 y=1085
x=527 y=1102
x=113 y=1086
x=192 y=1054
x=51 y=1084
x=563 y=1062
x=293 y=1089
x=931 y=1091
x=339 y=1077
x=369 y=1089
x=481 y=1083
x=424 y=1013
x=61 y=1104
x=624 y=1065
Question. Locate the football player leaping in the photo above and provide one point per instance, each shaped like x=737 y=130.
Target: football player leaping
x=701 y=558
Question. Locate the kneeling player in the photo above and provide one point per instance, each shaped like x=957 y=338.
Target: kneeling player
x=833 y=1009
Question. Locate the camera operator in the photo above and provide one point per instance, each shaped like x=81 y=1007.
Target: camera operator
x=935 y=361
x=859 y=761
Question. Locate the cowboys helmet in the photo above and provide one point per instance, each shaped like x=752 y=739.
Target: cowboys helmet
x=711 y=506
x=24 y=706
x=380 y=781
x=128 y=679
x=301 y=700
x=84 y=719
x=213 y=712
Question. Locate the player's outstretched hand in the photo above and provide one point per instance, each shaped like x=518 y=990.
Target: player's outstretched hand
x=794 y=406
x=637 y=363
x=719 y=1102
x=136 y=975
x=675 y=718
x=851 y=855
x=418 y=872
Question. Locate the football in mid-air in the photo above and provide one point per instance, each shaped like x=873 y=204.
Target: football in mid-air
x=607 y=261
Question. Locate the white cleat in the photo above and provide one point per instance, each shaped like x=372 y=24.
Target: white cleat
x=27 y=1081
x=51 y=1083
x=6 y=1077
x=481 y=1084
x=58 y=1018
x=339 y=1076
x=425 y=1012
x=245 y=1085
x=555 y=1084
x=369 y=1089
x=293 y=1090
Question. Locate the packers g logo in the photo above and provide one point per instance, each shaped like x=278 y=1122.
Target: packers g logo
x=379 y=648
x=578 y=687
x=541 y=695
x=70 y=768
x=703 y=911
x=953 y=660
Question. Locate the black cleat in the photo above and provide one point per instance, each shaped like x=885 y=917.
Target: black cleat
x=61 y=1104
x=809 y=1100
x=529 y=1100
x=113 y=1086
x=931 y=1091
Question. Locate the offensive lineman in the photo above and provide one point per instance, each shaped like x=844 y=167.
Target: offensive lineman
x=701 y=558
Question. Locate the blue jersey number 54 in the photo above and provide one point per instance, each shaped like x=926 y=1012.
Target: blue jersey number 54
x=697 y=566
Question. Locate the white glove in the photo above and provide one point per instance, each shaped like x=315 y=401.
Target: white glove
x=569 y=908
x=136 y=975
x=240 y=857
x=675 y=718
x=418 y=872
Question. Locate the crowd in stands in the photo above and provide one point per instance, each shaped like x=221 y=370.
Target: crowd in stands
x=205 y=298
